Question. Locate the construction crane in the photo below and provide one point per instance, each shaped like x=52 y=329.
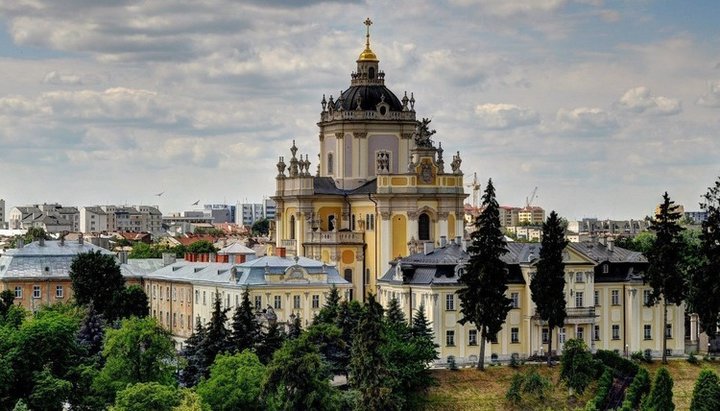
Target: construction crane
x=475 y=185
x=529 y=200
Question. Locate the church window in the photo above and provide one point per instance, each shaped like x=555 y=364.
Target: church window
x=330 y=163
x=371 y=73
x=292 y=227
x=424 y=227
x=348 y=274
x=370 y=222
x=382 y=161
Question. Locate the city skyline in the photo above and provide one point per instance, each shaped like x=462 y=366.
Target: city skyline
x=601 y=105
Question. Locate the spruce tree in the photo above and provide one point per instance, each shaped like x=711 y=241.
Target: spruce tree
x=706 y=395
x=271 y=340
x=216 y=340
x=660 y=398
x=92 y=332
x=395 y=319
x=245 y=332
x=195 y=358
x=664 y=274
x=329 y=312
x=294 y=327
x=482 y=296
x=704 y=290
x=548 y=284
x=369 y=373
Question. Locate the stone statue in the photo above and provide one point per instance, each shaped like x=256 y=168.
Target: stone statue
x=423 y=133
x=455 y=165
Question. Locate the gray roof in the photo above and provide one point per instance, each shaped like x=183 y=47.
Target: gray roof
x=326 y=185
x=248 y=273
x=140 y=267
x=50 y=259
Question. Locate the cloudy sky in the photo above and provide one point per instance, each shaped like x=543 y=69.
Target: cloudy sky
x=603 y=105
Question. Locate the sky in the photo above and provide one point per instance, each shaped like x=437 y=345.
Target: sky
x=601 y=105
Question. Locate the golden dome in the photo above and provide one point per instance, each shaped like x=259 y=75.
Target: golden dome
x=367 y=54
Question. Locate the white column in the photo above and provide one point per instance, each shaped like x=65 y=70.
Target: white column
x=299 y=233
x=443 y=226
x=385 y=242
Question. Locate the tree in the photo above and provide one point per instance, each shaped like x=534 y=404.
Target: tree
x=395 y=319
x=217 y=336
x=245 y=332
x=577 y=366
x=706 y=395
x=483 y=283
x=143 y=250
x=704 y=289
x=294 y=327
x=7 y=299
x=637 y=390
x=202 y=246
x=664 y=274
x=191 y=401
x=660 y=398
x=195 y=358
x=548 y=284
x=96 y=278
x=235 y=383
x=271 y=340
x=139 y=351
x=329 y=312
x=49 y=392
x=328 y=339
x=261 y=227
x=369 y=373
x=147 y=396
x=92 y=332
x=297 y=379
x=132 y=301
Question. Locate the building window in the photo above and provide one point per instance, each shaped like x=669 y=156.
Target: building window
x=161 y=317
x=561 y=336
x=154 y=292
x=167 y=293
x=59 y=291
x=296 y=302
x=596 y=333
x=227 y=301
x=615 y=297
x=258 y=302
x=382 y=162
x=315 y=301
x=597 y=298
x=514 y=335
x=646 y=297
x=352 y=222
x=189 y=320
x=580 y=333
x=606 y=268
x=424 y=227
x=579 y=278
x=450 y=302
x=197 y=297
x=615 y=332
x=545 y=335
x=174 y=320
x=369 y=221
x=278 y=302
x=36 y=291
x=647 y=328
x=204 y=300
x=579 y=303
x=348 y=274
x=237 y=300
x=167 y=318
x=472 y=337
x=668 y=330
x=515 y=300
x=330 y=163
x=182 y=321
x=18 y=292
x=450 y=338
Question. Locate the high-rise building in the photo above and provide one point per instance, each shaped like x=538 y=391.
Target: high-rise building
x=249 y=213
x=2 y=213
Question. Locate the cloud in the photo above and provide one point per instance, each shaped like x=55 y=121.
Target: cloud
x=506 y=8
x=54 y=77
x=586 y=120
x=505 y=116
x=712 y=97
x=641 y=100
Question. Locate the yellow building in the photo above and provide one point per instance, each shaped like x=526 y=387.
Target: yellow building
x=381 y=190
x=604 y=293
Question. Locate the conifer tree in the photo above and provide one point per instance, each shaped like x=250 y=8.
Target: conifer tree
x=294 y=327
x=92 y=331
x=482 y=296
x=704 y=288
x=395 y=319
x=217 y=335
x=660 y=397
x=272 y=339
x=245 y=332
x=664 y=274
x=329 y=312
x=548 y=284
x=706 y=395
x=194 y=354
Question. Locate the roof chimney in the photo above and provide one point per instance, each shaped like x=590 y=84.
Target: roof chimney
x=611 y=244
x=81 y=240
x=41 y=241
x=443 y=241
x=428 y=247
x=20 y=243
x=168 y=258
x=458 y=240
x=123 y=257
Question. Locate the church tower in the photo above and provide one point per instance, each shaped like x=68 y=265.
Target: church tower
x=381 y=189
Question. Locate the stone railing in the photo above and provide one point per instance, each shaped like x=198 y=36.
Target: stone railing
x=333 y=237
x=366 y=115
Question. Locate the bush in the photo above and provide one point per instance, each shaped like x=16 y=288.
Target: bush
x=514 y=360
x=692 y=359
x=637 y=356
x=451 y=364
x=576 y=365
x=639 y=387
x=536 y=385
x=706 y=395
x=603 y=389
x=647 y=357
x=513 y=393
x=660 y=398
x=619 y=364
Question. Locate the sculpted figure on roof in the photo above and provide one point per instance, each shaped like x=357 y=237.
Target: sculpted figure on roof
x=423 y=133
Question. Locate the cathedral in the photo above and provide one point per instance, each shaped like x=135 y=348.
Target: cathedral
x=381 y=189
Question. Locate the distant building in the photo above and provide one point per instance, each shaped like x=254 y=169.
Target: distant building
x=221 y=213
x=249 y=213
x=93 y=219
x=697 y=217
x=2 y=213
x=53 y=218
x=583 y=229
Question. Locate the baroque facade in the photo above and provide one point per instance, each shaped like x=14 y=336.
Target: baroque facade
x=381 y=189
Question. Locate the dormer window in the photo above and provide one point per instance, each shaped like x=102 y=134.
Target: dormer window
x=606 y=268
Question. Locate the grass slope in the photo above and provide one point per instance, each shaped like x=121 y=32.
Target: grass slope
x=469 y=389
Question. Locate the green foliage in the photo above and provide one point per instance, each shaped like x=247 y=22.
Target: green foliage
x=217 y=336
x=147 y=396
x=329 y=312
x=49 y=392
x=706 y=395
x=395 y=318
x=576 y=365
x=637 y=356
x=704 y=289
x=144 y=250
x=692 y=359
x=235 y=383
x=603 y=389
x=295 y=327
x=21 y=406
x=139 y=351
x=191 y=401
x=328 y=339
x=451 y=363
x=483 y=283
x=196 y=362
x=96 y=279
x=617 y=363
x=131 y=301
x=261 y=227
x=297 y=379
x=639 y=388
x=536 y=385
x=7 y=298
x=660 y=397
x=547 y=286
x=514 y=392
x=32 y=234
x=270 y=341
x=202 y=246
x=245 y=332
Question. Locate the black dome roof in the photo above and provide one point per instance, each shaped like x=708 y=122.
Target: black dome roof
x=370 y=97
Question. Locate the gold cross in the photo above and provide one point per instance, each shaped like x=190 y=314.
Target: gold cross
x=367 y=23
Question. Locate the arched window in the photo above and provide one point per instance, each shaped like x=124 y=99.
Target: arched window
x=292 y=227
x=330 y=163
x=424 y=227
x=371 y=73
x=348 y=275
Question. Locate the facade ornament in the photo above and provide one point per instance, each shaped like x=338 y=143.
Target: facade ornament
x=423 y=133
x=360 y=134
x=281 y=167
x=385 y=215
x=455 y=165
x=411 y=166
x=404 y=102
x=339 y=135
x=412 y=102
x=293 y=161
x=440 y=161
x=331 y=104
x=406 y=136
x=383 y=162
x=358 y=99
x=412 y=215
x=443 y=215
x=317 y=172
x=340 y=101
x=323 y=103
